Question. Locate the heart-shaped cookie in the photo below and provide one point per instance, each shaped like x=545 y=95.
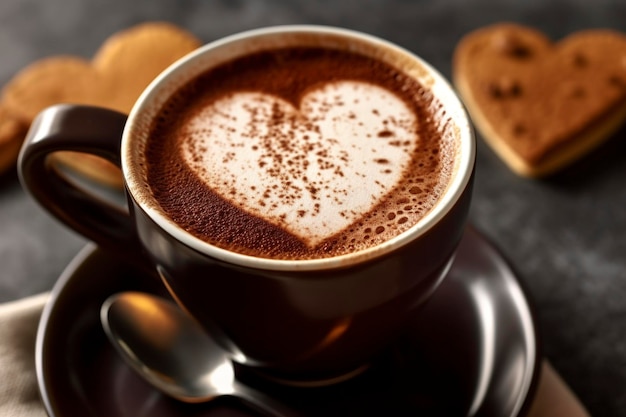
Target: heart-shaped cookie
x=299 y=175
x=118 y=73
x=542 y=105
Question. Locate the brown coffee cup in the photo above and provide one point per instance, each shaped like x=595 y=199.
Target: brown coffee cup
x=295 y=319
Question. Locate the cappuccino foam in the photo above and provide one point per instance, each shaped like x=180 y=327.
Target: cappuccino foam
x=298 y=153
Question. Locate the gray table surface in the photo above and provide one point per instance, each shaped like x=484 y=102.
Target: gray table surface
x=565 y=235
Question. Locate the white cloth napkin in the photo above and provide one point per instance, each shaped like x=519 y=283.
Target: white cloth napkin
x=19 y=396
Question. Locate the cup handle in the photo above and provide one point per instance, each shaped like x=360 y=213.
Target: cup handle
x=87 y=129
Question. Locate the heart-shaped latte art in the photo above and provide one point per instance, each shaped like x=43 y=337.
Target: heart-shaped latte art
x=542 y=105
x=314 y=169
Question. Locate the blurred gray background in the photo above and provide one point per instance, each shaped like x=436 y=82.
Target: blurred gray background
x=565 y=235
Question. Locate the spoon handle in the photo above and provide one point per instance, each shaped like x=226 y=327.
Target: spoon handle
x=262 y=402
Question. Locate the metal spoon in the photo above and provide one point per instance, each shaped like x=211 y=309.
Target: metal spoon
x=173 y=353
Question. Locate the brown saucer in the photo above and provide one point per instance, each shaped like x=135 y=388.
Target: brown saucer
x=472 y=351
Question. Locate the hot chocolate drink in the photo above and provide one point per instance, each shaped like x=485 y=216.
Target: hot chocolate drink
x=299 y=153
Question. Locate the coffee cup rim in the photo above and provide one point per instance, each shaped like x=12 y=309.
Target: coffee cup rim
x=465 y=157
